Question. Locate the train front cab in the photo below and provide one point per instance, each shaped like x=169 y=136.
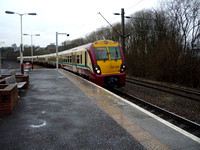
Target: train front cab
x=110 y=68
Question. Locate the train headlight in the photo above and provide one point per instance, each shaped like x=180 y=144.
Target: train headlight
x=123 y=67
x=97 y=69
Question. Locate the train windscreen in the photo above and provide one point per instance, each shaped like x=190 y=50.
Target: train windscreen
x=101 y=53
x=114 y=53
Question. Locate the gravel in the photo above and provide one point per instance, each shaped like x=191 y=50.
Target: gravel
x=184 y=107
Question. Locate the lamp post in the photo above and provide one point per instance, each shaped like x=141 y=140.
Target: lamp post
x=57 y=52
x=0 y=59
x=123 y=28
x=32 y=45
x=21 y=47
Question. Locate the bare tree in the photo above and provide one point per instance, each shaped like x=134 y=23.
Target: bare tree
x=100 y=34
x=184 y=15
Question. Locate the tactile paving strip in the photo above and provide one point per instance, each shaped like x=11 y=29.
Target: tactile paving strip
x=142 y=136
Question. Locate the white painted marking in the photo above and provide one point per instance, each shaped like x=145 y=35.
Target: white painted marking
x=61 y=77
x=120 y=103
x=191 y=136
x=38 y=126
x=43 y=112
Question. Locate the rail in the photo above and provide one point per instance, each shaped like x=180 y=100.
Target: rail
x=193 y=95
x=180 y=121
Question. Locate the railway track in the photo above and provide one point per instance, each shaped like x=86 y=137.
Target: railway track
x=185 y=124
x=192 y=95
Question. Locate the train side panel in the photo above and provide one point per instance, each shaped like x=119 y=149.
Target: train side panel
x=79 y=62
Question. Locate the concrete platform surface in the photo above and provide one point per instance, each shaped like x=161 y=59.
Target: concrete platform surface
x=56 y=115
x=150 y=131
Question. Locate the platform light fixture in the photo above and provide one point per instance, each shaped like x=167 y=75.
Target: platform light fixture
x=57 y=51
x=32 y=45
x=21 y=47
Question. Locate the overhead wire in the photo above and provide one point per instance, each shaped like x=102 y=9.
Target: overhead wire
x=126 y=11
x=134 y=5
x=115 y=17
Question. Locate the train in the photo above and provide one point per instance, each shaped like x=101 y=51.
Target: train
x=102 y=62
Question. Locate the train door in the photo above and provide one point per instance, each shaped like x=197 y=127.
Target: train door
x=74 y=61
x=86 y=58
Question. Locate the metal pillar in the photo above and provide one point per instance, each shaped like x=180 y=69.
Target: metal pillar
x=123 y=30
x=57 y=51
x=21 y=48
x=57 y=55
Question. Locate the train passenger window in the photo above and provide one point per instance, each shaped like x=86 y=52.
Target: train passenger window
x=114 y=53
x=70 y=59
x=86 y=58
x=77 y=59
x=101 y=53
x=81 y=59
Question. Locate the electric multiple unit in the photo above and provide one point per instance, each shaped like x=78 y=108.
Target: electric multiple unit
x=102 y=62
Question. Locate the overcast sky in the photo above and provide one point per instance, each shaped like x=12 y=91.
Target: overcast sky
x=75 y=17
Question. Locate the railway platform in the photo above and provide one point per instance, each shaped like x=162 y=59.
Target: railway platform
x=72 y=113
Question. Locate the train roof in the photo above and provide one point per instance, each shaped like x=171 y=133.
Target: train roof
x=99 y=42
x=75 y=48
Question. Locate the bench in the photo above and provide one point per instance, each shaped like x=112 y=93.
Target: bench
x=12 y=72
x=12 y=80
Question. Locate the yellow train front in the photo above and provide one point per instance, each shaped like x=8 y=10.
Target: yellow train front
x=108 y=63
